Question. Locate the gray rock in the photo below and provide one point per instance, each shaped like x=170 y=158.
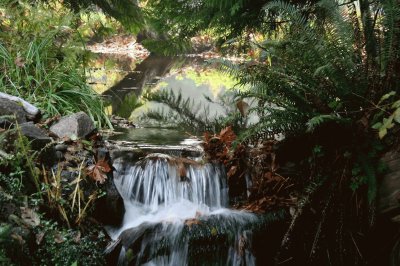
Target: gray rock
x=9 y=108
x=37 y=136
x=59 y=155
x=32 y=110
x=61 y=147
x=78 y=124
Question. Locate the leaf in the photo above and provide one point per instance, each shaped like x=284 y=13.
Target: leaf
x=19 y=62
x=396 y=115
x=39 y=237
x=30 y=217
x=243 y=107
x=232 y=171
x=58 y=238
x=396 y=104
x=387 y=96
x=377 y=125
x=77 y=237
x=388 y=122
x=98 y=172
x=227 y=136
x=191 y=222
x=382 y=132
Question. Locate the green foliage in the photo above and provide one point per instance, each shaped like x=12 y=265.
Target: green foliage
x=325 y=77
x=193 y=117
x=130 y=103
x=388 y=115
x=5 y=231
x=17 y=168
x=65 y=247
x=229 y=22
x=126 y=11
x=183 y=112
x=43 y=66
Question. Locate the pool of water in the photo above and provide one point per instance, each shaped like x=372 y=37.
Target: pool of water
x=156 y=136
x=123 y=80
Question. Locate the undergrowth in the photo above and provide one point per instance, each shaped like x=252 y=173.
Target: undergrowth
x=41 y=60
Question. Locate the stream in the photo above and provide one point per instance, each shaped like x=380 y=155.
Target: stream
x=177 y=209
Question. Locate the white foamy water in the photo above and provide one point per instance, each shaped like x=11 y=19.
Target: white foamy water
x=160 y=193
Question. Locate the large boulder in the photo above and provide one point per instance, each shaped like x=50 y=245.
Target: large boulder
x=79 y=125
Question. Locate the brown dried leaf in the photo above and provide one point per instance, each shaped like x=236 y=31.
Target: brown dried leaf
x=58 y=238
x=39 y=237
x=98 y=171
x=191 y=222
x=104 y=166
x=243 y=107
x=19 y=62
x=77 y=237
x=232 y=171
x=30 y=217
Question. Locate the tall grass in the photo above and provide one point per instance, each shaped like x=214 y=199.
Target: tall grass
x=46 y=67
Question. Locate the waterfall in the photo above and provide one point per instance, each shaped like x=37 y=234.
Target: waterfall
x=165 y=198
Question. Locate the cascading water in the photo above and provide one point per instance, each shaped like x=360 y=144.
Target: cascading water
x=163 y=197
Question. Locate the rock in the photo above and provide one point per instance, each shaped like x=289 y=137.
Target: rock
x=37 y=136
x=9 y=108
x=31 y=110
x=109 y=209
x=79 y=125
x=61 y=147
x=121 y=122
x=15 y=106
x=59 y=155
x=41 y=142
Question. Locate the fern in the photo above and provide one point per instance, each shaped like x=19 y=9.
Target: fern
x=316 y=121
x=185 y=113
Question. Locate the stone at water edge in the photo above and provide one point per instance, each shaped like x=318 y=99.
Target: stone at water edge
x=78 y=124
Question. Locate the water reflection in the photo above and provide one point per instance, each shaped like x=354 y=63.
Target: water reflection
x=121 y=81
x=105 y=70
x=156 y=136
x=124 y=95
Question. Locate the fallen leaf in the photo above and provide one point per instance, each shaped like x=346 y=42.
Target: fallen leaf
x=232 y=171
x=191 y=222
x=19 y=62
x=58 y=238
x=39 y=237
x=243 y=107
x=77 y=237
x=98 y=172
x=30 y=217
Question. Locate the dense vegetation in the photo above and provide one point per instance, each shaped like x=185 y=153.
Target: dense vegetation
x=326 y=79
x=324 y=75
x=42 y=61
